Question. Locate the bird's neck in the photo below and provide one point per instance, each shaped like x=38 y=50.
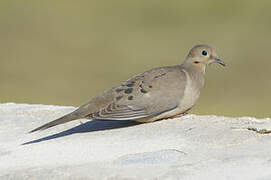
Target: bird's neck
x=195 y=73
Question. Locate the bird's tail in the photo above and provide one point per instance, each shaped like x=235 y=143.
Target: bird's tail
x=69 y=117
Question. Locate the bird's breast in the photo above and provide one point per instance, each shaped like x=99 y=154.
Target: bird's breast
x=191 y=93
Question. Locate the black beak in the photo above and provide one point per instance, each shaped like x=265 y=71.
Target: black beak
x=220 y=62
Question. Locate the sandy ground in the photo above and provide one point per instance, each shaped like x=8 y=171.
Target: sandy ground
x=190 y=147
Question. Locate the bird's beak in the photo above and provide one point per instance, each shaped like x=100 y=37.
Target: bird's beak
x=219 y=61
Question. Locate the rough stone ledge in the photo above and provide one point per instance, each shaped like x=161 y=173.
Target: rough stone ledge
x=190 y=147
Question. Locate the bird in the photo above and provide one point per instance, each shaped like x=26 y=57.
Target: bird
x=156 y=94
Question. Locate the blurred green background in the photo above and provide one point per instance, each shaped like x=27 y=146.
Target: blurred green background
x=66 y=52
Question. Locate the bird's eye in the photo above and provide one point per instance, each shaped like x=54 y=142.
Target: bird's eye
x=204 y=53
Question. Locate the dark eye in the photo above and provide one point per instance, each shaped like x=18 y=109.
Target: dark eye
x=204 y=53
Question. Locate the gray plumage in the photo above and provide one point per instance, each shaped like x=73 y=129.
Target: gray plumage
x=155 y=94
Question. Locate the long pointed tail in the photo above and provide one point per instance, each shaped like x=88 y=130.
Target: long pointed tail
x=69 y=117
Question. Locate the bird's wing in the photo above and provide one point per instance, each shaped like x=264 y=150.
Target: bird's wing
x=117 y=112
x=145 y=95
x=125 y=112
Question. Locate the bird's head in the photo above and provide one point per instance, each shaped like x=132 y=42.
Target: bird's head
x=201 y=55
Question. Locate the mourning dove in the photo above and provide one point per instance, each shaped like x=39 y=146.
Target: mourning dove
x=159 y=93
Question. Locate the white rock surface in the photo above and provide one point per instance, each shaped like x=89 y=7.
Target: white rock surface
x=191 y=147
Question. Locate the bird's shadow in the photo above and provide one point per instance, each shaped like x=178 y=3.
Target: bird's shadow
x=90 y=126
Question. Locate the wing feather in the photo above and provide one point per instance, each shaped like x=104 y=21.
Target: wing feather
x=116 y=112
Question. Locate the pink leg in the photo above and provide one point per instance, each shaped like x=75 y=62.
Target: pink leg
x=176 y=116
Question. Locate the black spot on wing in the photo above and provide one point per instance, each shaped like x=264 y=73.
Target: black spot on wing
x=128 y=91
x=130 y=84
x=141 y=88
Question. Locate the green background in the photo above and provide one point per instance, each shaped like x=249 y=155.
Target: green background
x=67 y=52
